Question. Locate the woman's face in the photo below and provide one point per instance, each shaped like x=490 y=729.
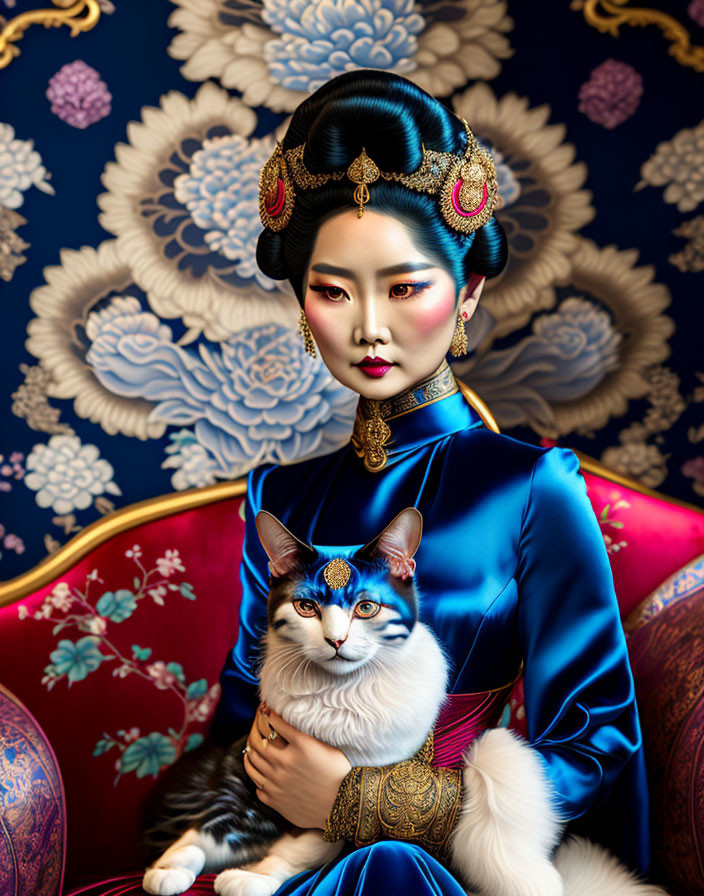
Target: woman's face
x=370 y=292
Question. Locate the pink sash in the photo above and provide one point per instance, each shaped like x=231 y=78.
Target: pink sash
x=462 y=718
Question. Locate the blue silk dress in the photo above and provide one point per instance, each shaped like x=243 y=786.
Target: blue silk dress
x=511 y=567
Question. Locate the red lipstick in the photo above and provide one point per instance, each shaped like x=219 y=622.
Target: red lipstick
x=375 y=367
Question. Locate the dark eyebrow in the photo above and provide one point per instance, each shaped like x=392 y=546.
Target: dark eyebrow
x=403 y=268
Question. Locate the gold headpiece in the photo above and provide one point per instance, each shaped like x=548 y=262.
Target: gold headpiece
x=466 y=184
x=337 y=573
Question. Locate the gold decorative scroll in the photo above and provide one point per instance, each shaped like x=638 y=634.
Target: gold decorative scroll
x=609 y=15
x=79 y=15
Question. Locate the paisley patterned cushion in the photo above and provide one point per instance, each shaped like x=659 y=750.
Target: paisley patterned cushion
x=680 y=586
x=32 y=806
x=667 y=657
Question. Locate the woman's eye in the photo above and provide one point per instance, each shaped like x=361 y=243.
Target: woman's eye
x=333 y=293
x=305 y=607
x=407 y=290
x=367 y=608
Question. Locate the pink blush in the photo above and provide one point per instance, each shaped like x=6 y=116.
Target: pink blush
x=327 y=325
x=430 y=316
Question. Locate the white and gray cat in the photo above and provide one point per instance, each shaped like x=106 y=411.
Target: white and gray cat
x=346 y=660
x=351 y=666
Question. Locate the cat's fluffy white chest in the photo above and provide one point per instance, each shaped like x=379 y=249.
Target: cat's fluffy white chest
x=378 y=715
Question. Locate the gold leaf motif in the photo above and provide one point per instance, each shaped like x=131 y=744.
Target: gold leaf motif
x=617 y=12
x=79 y=16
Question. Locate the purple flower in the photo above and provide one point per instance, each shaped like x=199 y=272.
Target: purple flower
x=696 y=11
x=612 y=93
x=694 y=468
x=78 y=96
x=14 y=543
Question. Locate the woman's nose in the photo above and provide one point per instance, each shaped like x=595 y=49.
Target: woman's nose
x=369 y=328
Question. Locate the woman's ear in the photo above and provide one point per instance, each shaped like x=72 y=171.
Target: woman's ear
x=469 y=295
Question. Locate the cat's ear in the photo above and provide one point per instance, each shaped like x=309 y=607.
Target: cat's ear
x=397 y=543
x=285 y=551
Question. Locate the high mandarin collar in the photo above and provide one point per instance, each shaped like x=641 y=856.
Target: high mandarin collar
x=424 y=413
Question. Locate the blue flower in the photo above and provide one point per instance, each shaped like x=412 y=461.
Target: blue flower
x=148 y=755
x=76 y=660
x=508 y=184
x=568 y=354
x=193 y=464
x=117 y=605
x=256 y=397
x=221 y=191
x=323 y=38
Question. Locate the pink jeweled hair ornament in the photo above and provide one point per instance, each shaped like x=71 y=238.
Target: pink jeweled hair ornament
x=466 y=185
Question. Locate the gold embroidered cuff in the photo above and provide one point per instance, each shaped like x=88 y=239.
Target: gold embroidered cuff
x=411 y=801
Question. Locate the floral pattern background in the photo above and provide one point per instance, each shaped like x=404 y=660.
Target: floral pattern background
x=144 y=351
x=73 y=611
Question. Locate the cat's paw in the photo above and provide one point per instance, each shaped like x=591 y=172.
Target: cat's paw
x=237 y=882
x=167 y=881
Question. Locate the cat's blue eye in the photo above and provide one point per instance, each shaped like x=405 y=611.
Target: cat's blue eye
x=366 y=609
x=305 y=607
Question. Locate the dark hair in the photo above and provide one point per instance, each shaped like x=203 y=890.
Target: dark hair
x=391 y=117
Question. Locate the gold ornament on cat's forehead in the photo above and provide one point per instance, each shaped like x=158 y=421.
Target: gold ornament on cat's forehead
x=337 y=573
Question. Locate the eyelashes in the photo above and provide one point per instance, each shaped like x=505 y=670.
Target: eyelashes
x=417 y=289
x=324 y=290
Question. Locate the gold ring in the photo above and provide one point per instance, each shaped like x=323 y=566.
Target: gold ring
x=247 y=749
x=273 y=734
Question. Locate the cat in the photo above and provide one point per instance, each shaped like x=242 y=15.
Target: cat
x=346 y=660
x=352 y=666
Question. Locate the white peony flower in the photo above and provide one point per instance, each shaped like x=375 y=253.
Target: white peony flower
x=20 y=168
x=67 y=475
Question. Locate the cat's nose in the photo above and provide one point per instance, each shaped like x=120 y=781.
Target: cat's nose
x=335 y=644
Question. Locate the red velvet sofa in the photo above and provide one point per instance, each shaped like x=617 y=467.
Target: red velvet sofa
x=110 y=652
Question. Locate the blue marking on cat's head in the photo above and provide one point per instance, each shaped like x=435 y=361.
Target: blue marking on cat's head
x=380 y=571
x=370 y=577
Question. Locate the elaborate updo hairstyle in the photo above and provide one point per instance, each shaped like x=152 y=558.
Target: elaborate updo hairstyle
x=393 y=119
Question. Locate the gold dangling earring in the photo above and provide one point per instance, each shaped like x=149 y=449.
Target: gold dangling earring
x=305 y=331
x=458 y=346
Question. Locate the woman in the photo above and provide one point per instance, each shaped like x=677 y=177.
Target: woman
x=378 y=208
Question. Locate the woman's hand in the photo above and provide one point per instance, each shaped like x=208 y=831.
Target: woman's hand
x=294 y=773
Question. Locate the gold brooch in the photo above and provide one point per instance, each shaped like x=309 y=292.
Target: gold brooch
x=337 y=573
x=370 y=434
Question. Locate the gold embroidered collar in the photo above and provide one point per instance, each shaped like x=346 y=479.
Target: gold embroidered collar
x=371 y=430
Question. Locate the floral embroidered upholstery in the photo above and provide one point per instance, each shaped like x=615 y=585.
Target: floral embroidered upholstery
x=119 y=659
x=667 y=657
